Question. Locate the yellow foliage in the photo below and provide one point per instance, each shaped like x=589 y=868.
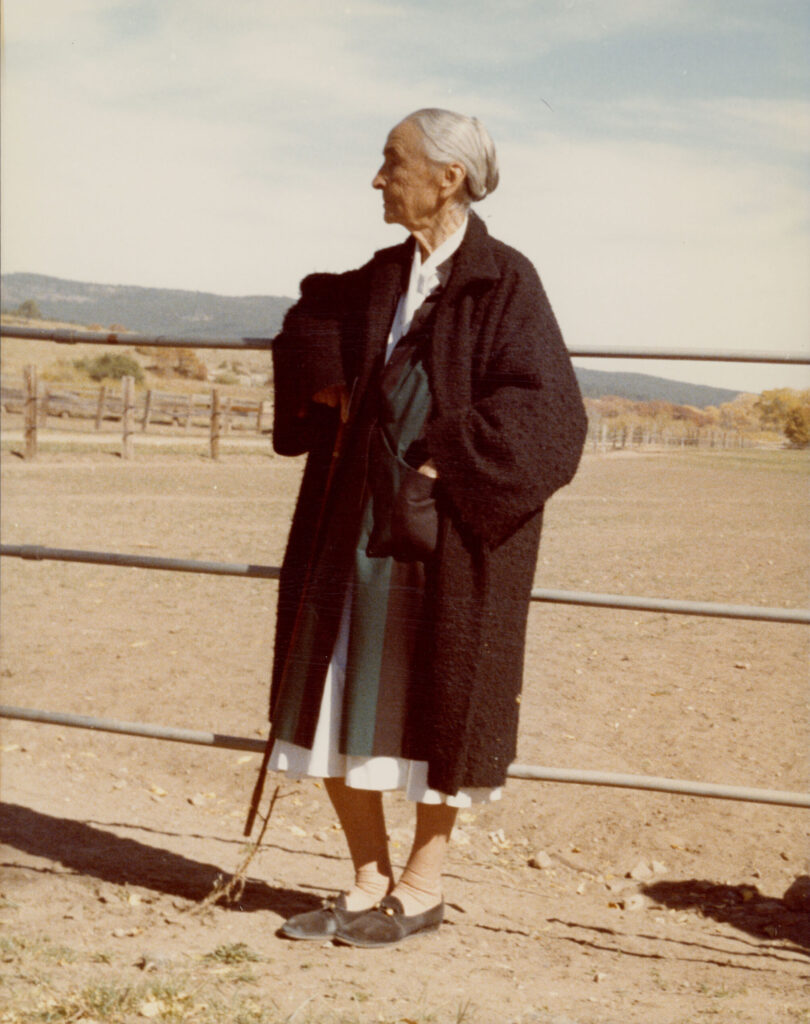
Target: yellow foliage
x=776 y=406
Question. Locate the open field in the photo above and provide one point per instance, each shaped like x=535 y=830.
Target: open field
x=112 y=843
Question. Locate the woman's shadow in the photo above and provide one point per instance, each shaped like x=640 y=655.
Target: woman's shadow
x=744 y=907
x=89 y=850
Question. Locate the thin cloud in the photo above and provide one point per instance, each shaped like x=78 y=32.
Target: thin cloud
x=769 y=130
x=644 y=244
x=231 y=148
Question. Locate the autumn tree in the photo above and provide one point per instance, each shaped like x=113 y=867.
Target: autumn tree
x=788 y=411
x=775 y=406
x=741 y=414
x=797 y=426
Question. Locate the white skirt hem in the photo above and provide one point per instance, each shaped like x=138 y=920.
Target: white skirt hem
x=374 y=773
x=324 y=760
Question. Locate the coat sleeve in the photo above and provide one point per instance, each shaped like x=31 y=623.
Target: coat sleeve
x=521 y=437
x=307 y=357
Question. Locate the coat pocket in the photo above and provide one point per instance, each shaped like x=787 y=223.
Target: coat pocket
x=406 y=520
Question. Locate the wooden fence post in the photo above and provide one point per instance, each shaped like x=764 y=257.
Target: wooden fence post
x=128 y=416
x=30 y=377
x=189 y=411
x=259 y=415
x=147 y=411
x=102 y=398
x=44 y=397
x=216 y=423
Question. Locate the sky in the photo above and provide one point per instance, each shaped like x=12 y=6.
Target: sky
x=654 y=154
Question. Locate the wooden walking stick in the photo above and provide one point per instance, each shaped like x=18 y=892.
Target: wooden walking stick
x=343 y=417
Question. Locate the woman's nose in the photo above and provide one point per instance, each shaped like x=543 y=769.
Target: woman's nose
x=378 y=181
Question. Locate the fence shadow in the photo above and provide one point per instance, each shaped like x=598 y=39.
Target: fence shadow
x=96 y=853
x=743 y=907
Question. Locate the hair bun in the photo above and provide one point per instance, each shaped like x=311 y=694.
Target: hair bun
x=450 y=136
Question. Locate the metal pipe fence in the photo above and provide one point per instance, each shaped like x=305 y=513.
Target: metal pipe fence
x=639 y=782
x=649 y=783
x=68 y=336
x=756 y=613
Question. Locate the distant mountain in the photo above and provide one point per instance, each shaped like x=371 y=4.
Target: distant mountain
x=205 y=315
x=147 y=310
x=640 y=387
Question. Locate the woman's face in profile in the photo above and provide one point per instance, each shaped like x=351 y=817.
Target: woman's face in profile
x=409 y=181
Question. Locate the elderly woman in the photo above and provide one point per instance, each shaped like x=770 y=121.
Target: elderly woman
x=436 y=402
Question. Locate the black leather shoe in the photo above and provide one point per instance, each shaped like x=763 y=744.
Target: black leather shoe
x=386 y=925
x=323 y=923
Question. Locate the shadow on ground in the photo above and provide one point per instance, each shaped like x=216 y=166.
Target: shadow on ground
x=743 y=907
x=94 y=852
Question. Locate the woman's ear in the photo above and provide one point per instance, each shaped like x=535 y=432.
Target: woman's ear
x=453 y=179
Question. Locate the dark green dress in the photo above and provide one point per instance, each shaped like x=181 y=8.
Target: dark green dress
x=386 y=638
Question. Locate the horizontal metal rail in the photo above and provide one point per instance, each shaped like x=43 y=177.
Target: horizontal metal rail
x=69 y=336
x=153 y=732
x=693 y=355
x=66 y=336
x=516 y=771
x=35 y=552
x=710 y=609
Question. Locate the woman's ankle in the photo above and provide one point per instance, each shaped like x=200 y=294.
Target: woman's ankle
x=367 y=890
x=416 y=899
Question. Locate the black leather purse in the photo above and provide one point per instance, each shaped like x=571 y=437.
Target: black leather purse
x=406 y=520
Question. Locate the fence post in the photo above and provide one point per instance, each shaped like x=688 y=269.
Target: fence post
x=30 y=377
x=259 y=414
x=102 y=398
x=127 y=416
x=44 y=399
x=216 y=423
x=189 y=411
x=147 y=411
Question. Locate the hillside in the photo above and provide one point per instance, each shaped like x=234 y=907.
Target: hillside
x=641 y=387
x=206 y=315
x=147 y=310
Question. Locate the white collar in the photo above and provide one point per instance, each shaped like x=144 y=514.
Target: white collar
x=423 y=277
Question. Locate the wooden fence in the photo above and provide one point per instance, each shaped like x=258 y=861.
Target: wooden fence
x=605 y=436
x=219 y=415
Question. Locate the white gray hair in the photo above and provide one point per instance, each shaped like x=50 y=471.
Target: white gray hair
x=457 y=138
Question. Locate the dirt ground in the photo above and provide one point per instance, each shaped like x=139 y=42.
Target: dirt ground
x=112 y=843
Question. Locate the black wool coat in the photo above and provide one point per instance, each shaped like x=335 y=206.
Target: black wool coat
x=506 y=430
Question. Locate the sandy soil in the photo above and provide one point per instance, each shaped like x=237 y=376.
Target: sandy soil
x=112 y=843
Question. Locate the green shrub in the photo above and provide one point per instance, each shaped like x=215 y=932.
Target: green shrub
x=28 y=309
x=111 y=366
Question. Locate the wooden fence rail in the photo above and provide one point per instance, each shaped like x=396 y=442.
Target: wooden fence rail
x=604 y=436
x=220 y=415
x=211 y=411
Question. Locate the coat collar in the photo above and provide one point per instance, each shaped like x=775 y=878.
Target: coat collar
x=473 y=261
